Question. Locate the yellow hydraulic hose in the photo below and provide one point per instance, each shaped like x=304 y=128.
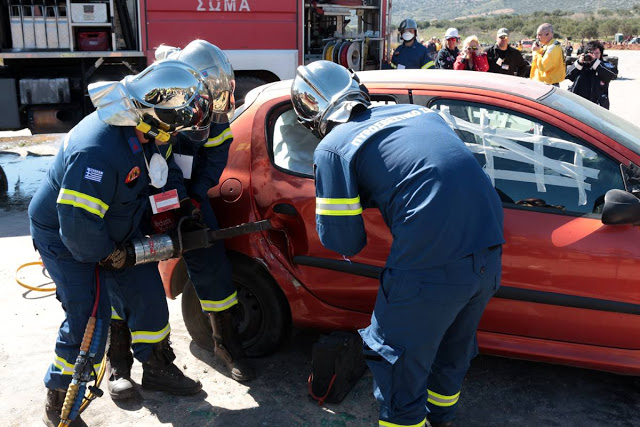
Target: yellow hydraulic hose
x=32 y=288
x=91 y=396
x=103 y=366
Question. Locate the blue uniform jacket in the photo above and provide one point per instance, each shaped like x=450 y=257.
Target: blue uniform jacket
x=209 y=159
x=95 y=192
x=414 y=57
x=406 y=161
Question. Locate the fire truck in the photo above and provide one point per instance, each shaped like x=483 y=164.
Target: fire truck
x=50 y=50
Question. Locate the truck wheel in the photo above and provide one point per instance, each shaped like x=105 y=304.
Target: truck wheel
x=243 y=85
x=264 y=312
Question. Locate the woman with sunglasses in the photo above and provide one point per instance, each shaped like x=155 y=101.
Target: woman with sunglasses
x=471 y=57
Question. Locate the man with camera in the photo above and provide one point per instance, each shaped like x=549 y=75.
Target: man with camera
x=591 y=75
x=547 y=64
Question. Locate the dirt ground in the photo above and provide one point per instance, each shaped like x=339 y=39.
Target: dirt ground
x=497 y=392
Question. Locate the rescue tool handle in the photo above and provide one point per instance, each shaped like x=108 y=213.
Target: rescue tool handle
x=239 y=230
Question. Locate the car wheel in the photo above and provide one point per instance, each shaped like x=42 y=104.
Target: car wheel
x=264 y=317
x=243 y=85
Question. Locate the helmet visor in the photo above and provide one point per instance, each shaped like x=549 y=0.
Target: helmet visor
x=196 y=135
x=173 y=95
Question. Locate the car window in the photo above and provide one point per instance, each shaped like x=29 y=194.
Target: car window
x=591 y=114
x=533 y=164
x=293 y=144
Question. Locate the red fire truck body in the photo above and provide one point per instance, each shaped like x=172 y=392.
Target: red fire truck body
x=51 y=49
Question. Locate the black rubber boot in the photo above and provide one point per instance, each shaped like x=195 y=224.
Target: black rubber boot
x=120 y=361
x=228 y=347
x=53 y=409
x=160 y=374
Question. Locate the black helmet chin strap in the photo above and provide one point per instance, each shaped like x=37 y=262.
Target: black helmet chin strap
x=150 y=132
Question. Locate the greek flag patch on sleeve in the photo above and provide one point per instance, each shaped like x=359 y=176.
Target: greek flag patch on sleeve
x=93 y=175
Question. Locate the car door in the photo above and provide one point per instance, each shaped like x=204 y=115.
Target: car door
x=283 y=186
x=562 y=268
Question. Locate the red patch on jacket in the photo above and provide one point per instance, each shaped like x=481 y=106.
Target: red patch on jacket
x=132 y=175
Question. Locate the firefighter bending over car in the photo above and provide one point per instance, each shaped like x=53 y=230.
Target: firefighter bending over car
x=446 y=219
x=201 y=156
x=92 y=202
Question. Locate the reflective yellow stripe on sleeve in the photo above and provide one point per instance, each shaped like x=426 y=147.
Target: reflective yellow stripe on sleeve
x=221 y=138
x=442 y=400
x=169 y=151
x=338 y=207
x=82 y=201
x=394 y=66
x=150 y=336
x=114 y=315
x=220 y=305
x=428 y=65
x=422 y=423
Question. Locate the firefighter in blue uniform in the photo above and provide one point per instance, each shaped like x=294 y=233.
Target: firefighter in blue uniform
x=202 y=162
x=446 y=220
x=209 y=268
x=91 y=204
x=411 y=53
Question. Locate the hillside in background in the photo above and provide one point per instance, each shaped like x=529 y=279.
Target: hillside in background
x=602 y=24
x=427 y=10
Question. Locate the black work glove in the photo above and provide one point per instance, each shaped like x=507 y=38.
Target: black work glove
x=193 y=218
x=121 y=257
x=188 y=209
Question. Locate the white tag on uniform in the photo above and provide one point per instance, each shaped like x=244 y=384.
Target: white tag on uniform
x=401 y=67
x=185 y=163
x=499 y=61
x=164 y=201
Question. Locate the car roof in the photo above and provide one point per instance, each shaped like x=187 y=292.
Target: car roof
x=516 y=86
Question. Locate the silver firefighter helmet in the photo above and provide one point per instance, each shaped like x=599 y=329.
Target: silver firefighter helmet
x=217 y=71
x=169 y=96
x=407 y=24
x=324 y=92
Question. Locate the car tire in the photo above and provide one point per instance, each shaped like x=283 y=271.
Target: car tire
x=264 y=316
x=243 y=85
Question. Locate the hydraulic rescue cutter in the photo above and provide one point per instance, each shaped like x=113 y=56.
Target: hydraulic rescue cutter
x=160 y=247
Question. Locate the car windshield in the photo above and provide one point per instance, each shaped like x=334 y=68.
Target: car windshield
x=613 y=126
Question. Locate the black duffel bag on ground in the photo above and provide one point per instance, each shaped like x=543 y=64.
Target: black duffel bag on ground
x=337 y=363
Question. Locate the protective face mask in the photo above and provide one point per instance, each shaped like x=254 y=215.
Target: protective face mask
x=158 y=170
x=407 y=36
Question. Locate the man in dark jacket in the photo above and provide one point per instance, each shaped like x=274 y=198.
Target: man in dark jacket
x=504 y=59
x=591 y=75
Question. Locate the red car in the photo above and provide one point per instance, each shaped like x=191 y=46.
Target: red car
x=570 y=289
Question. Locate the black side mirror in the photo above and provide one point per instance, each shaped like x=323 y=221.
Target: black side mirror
x=620 y=207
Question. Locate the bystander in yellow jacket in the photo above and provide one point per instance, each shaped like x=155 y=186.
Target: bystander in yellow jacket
x=547 y=64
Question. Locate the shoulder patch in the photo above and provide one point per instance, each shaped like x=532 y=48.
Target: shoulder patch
x=93 y=174
x=134 y=144
x=133 y=174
